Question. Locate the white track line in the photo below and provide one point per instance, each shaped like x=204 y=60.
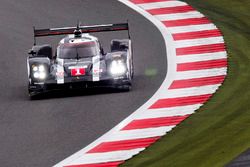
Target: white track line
x=105 y=157
x=169 y=112
x=201 y=73
x=201 y=57
x=155 y=5
x=193 y=91
x=177 y=16
x=198 y=42
x=192 y=28
x=140 y=133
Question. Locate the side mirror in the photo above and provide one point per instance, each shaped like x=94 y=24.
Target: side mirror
x=102 y=51
x=32 y=52
x=55 y=56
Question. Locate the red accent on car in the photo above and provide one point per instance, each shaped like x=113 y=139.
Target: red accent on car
x=78 y=71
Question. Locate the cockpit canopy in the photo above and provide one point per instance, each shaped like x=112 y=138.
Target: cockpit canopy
x=77 y=50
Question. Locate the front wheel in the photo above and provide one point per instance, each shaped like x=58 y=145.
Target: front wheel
x=32 y=94
x=125 y=88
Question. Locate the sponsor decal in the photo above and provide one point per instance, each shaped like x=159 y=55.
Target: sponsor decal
x=60 y=74
x=74 y=67
x=97 y=71
x=96 y=68
x=78 y=71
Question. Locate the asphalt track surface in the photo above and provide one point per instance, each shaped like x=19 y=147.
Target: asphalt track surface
x=243 y=160
x=43 y=132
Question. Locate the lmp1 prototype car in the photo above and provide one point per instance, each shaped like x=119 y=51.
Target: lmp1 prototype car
x=79 y=60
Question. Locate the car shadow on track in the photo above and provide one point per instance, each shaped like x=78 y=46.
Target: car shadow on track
x=138 y=86
x=75 y=93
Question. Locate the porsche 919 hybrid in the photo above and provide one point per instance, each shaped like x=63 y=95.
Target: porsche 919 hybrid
x=79 y=60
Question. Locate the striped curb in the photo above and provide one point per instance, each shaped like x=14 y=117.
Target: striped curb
x=197 y=66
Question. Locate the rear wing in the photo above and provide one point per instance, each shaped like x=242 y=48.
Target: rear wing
x=84 y=29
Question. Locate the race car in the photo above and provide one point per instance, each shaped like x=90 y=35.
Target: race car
x=79 y=60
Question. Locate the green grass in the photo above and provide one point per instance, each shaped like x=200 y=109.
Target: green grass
x=220 y=130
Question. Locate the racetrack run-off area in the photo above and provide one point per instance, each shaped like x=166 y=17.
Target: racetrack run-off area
x=197 y=66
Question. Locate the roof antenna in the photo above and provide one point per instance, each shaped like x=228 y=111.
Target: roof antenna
x=78 y=24
x=128 y=30
x=78 y=32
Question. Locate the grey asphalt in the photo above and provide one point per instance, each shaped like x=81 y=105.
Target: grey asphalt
x=243 y=160
x=42 y=132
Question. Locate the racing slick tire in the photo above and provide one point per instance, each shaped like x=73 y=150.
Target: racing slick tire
x=125 y=88
x=34 y=94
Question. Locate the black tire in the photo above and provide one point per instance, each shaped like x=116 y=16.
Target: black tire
x=125 y=88
x=33 y=95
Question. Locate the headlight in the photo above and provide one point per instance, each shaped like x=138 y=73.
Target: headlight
x=39 y=72
x=35 y=68
x=41 y=68
x=117 y=67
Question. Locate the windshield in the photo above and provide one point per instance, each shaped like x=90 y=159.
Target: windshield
x=77 y=50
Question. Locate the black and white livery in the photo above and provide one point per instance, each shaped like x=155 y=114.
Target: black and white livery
x=79 y=60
